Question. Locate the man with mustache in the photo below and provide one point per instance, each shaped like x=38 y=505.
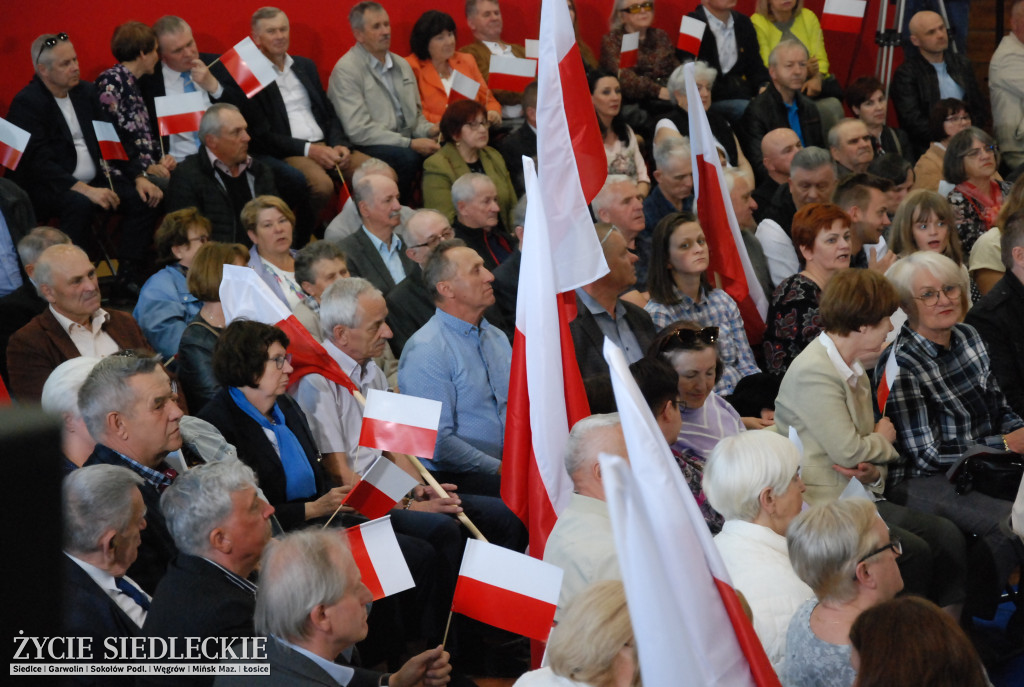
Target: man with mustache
x=375 y=252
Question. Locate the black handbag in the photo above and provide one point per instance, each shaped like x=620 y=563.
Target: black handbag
x=994 y=473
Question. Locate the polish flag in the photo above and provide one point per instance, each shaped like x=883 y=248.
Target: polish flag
x=697 y=629
x=179 y=114
x=728 y=259
x=691 y=32
x=343 y=193
x=532 y=48
x=509 y=73
x=506 y=589
x=250 y=68
x=546 y=396
x=380 y=561
x=892 y=368
x=110 y=142
x=243 y=295
x=630 y=50
x=400 y=423
x=463 y=87
x=843 y=15
x=383 y=485
x=13 y=141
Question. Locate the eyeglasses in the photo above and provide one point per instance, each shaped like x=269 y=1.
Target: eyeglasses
x=435 y=241
x=281 y=360
x=478 y=124
x=637 y=9
x=931 y=298
x=51 y=42
x=688 y=337
x=894 y=543
x=975 y=152
x=962 y=117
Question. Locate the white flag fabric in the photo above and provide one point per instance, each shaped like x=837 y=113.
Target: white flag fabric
x=13 y=141
x=379 y=558
x=250 y=68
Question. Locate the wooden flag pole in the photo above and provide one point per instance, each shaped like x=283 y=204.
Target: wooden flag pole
x=106 y=173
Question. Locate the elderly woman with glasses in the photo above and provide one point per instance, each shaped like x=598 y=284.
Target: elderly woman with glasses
x=645 y=82
x=845 y=554
x=943 y=401
x=268 y=428
x=753 y=479
x=972 y=164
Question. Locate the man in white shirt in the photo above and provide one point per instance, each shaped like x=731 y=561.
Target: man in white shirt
x=484 y=19
x=104 y=515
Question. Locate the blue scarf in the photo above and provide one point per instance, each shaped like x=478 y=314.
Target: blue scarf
x=298 y=475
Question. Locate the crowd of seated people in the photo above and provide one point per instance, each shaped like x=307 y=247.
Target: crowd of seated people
x=410 y=287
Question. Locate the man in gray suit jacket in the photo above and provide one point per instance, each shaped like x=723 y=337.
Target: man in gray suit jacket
x=311 y=606
x=375 y=252
x=375 y=94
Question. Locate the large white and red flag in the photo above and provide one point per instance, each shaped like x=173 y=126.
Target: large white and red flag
x=243 y=295
x=400 y=423
x=109 y=141
x=179 y=114
x=892 y=369
x=383 y=486
x=691 y=33
x=13 y=141
x=509 y=73
x=629 y=50
x=843 y=15
x=378 y=557
x=507 y=589
x=697 y=629
x=546 y=395
x=463 y=87
x=729 y=264
x=250 y=68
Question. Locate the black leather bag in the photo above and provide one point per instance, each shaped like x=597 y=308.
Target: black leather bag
x=994 y=473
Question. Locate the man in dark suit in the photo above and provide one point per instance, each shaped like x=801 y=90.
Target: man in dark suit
x=220 y=524
x=19 y=307
x=104 y=514
x=375 y=252
x=292 y=120
x=74 y=324
x=601 y=313
x=62 y=168
x=744 y=73
x=322 y=615
x=128 y=405
x=222 y=177
x=522 y=141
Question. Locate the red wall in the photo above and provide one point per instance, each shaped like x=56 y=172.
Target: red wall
x=320 y=28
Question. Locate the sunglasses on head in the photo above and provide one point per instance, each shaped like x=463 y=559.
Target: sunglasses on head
x=51 y=42
x=688 y=337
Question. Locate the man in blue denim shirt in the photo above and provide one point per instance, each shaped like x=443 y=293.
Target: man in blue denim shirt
x=458 y=358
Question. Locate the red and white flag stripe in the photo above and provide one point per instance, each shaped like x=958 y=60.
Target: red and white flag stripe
x=728 y=259
x=250 y=68
x=691 y=32
x=379 y=559
x=463 y=87
x=507 y=589
x=179 y=114
x=630 y=50
x=110 y=142
x=383 y=485
x=13 y=141
x=511 y=73
x=843 y=15
x=400 y=423
x=892 y=369
x=697 y=629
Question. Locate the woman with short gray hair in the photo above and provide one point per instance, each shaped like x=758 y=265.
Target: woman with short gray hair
x=60 y=397
x=972 y=164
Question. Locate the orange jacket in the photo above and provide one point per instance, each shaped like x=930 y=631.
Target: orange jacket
x=432 y=93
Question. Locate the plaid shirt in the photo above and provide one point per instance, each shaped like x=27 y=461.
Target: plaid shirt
x=943 y=401
x=716 y=309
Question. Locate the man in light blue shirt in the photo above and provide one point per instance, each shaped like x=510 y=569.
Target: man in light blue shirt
x=375 y=252
x=460 y=359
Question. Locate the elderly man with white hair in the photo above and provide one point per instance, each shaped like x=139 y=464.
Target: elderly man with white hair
x=60 y=397
x=478 y=219
x=103 y=515
x=311 y=606
x=581 y=542
x=220 y=523
x=620 y=204
x=348 y=221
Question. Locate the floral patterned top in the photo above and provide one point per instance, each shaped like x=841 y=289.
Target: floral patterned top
x=692 y=467
x=793 y=322
x=121 y=98
x=656 y=60
x=973 y=216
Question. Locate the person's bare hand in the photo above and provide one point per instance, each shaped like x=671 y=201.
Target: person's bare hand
x=149 y=192
x=1015 y=440
x=428 y=669
x=104 y=197
x=327 y=504
x=344 y=155
x=324 y=156
x=493 y=117
x=865 y=473
x=158 y=170
x=882 y=264
x=424 y=146
x=813 y=68
x=755 y=423
x=203 y=78
x=886 y=429
x=168 y=162
x=812 y=87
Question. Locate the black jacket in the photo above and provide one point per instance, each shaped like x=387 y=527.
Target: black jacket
x=589 y=341
x=767 y=112
x=196 y=184
x=522 y=141
x=999 y=319
x=915 y=89
x=749 y=72
x=268 y=119
x=364 y=261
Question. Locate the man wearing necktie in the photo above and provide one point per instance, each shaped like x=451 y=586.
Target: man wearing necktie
x=104 y=515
